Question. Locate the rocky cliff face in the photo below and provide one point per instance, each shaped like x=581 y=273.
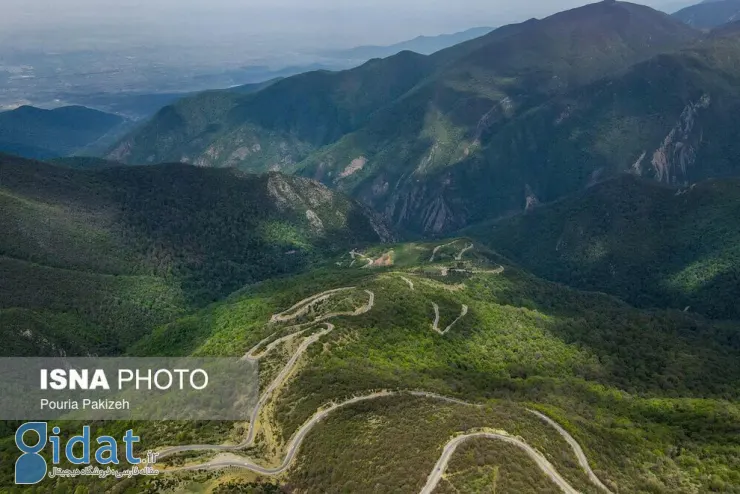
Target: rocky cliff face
x=417 y=207
x=672 y=160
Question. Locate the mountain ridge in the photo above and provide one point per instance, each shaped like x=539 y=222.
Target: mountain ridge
x=109 y=253
x=424 y=45
x=392 y=145
x=45 y=134
x=710 y=15
x=462 y=116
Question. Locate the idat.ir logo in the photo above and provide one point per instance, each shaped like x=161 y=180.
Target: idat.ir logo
x=32 y=437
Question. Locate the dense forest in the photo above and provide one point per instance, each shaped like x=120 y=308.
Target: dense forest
x=649 y=244
x=92 y=260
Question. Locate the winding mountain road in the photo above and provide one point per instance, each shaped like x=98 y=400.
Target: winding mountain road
x=251 y=355
x=356 y=254
x=460 y=255
x=284 y=372
x=305 y=305
x=452 y=445
x=296 y=440
x=437 y=248
x=498 y=270
x=542 y=462
x=435 y=324
x=439 y=468
x=580 y=455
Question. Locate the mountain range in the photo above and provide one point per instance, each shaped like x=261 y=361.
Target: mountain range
x=510 y=265
x=424 y=45
x=709 y=15
x=475 y=131
x=43 y=134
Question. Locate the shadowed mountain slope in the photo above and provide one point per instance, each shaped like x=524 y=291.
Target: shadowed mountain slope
x=116 y=251
x=649 y=244
x=43 y=134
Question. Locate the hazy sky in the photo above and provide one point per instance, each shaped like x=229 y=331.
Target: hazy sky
x=349 y=22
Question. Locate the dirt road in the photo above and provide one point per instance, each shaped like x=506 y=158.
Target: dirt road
x=305 y=305
x=460 y=254
x=295 y=441
x=439 y=468
x=436 y=249
x=580 y=455
x=435 y=324
x=452 y=445
x=284 y=372
x=224 y=461
x=408 y=282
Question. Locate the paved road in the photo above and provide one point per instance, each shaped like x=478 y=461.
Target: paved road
x=452 y=445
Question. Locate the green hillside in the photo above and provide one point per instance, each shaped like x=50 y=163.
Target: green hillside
x=729 y=29
x=43 y=134
x=118 y=251
x=651 y=245
x=650 y=395
x=84 y=162
x=117 y=260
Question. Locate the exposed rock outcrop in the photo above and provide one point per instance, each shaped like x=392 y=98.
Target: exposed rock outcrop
x=672 y=160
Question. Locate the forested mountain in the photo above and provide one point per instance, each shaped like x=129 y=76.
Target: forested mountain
x=85 y=162
x=581 y=334
x=433 y=159
x=649 y=244
x=409 y=134
x=651 y=395
x=710 y=14
x=42 y=134
x=672 y=118
x=92 y=260
x=276 y=127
